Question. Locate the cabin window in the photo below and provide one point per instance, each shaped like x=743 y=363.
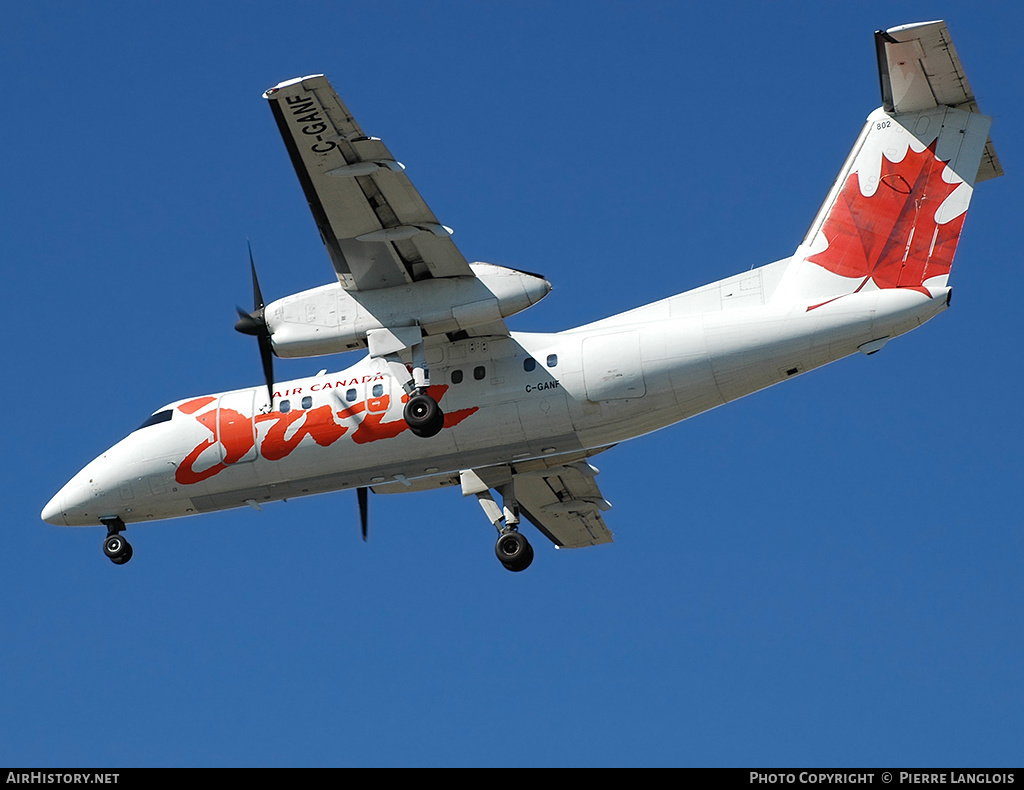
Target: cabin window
x=286 y=406
x=351 y=395
x=529 y=364
x=456 y=377
x=479 y=372
x=378 y=390
x=307 y=402
x=552 y=360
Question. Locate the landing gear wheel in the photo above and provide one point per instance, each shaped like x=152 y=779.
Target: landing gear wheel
x=423 y=415
x=117 y=549
x=514 y=551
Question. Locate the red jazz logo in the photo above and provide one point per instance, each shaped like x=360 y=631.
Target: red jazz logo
x=286 y=431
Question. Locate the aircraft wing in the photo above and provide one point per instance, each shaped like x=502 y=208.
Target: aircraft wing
x=565 y=504
x=377 y=229
x=561 y=499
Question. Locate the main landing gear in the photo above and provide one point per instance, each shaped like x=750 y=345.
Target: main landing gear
x=423 y=415
x=512 y=549
x=114 y=546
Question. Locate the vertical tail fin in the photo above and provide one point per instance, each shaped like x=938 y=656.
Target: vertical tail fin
x=894 y=215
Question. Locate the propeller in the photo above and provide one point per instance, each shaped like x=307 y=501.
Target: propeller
x=363 y=511
x=255 y=323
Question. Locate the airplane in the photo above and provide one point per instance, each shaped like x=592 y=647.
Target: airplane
x=447 y=396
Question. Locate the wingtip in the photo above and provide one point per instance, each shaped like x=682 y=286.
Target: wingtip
x=269 y=92
x=912 y=25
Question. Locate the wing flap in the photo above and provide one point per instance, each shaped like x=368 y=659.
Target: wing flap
x=565 y=504
x=377 y=229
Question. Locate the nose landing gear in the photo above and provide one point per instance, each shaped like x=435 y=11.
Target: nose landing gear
x=115 y=547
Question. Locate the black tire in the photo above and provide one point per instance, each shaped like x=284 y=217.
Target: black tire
x=423 y=415
x=113 y=546
x=125 y=555
x=117 y=549
x=514 y=551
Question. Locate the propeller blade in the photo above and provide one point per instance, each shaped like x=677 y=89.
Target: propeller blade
x=255 y=324
x=257 y=296
x=363 y=509
x=267 y=357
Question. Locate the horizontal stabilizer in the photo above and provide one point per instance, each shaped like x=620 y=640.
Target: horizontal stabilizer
x=919 y=70
x=894 y=215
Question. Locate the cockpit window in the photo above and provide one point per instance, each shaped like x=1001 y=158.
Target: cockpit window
x=160 y=416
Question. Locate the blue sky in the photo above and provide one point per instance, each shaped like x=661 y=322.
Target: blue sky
x=825 y=573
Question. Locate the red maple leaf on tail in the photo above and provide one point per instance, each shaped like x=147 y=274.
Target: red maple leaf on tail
x=892 y=237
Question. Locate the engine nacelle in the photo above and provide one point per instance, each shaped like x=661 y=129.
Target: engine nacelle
x=329 y=319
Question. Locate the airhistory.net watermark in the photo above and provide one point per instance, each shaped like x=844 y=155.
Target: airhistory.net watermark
x=48 y=778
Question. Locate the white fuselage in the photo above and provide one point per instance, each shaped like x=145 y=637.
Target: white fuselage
x=874 y=264
x=506 y=400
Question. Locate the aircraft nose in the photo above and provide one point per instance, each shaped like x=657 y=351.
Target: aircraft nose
x=53 y=512
x=77 y=503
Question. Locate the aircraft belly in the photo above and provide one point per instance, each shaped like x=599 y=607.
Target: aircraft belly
x=694 y=364
x=749 y=351
x=547 y=425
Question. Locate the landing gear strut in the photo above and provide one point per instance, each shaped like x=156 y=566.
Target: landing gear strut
x=114 y=546
x=512 y=549
x=421 y=413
